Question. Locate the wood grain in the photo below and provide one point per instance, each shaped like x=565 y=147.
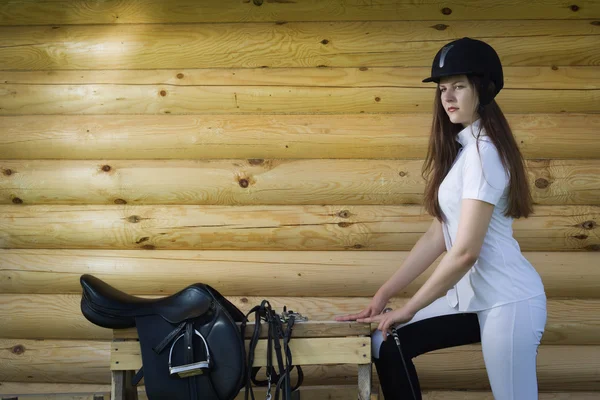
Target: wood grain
x=570 y=322
x=294 y=44
x=162 y=100
x=187 y=11
x=340 y=227
x=264 y=182
x=256 y=273
x=515 y=77
x=560 y=368
x=556 y=136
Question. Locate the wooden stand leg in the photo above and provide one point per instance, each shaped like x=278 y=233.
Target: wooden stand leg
x=121 y=388
x=364 y=381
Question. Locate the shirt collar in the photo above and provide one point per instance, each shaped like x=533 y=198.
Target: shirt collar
x=469 y=134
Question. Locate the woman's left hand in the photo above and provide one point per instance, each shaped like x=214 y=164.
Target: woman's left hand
x=389 y=319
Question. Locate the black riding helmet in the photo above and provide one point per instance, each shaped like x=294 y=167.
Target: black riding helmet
x=470 y=57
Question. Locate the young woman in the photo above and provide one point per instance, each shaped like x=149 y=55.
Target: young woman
x=483 y=289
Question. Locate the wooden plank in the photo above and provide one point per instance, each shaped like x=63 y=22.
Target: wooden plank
x=562 y=368
x=551 y=228
x=260 y=182
x=243 y=273
x=161 y=99
x=189 y=11
x=570 y=322
x=515 y=77
x=301 y=329
x=127 y=355
x=57 y=389
x=570 y=136
x=308 y=44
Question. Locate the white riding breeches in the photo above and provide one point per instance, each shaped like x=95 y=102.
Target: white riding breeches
x=510 y=337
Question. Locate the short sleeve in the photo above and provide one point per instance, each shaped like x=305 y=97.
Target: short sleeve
x=484 y=176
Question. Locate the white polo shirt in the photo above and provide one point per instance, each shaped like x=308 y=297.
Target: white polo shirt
x=501 y=274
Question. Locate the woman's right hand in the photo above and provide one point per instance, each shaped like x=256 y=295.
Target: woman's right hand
x=375 y=307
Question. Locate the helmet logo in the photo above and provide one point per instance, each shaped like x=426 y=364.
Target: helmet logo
x=445 y=51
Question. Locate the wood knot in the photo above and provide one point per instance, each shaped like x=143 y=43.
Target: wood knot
x=378 y=99
x=120 y=201
x=344 y=214
x=595 y=23
x=180 y=76
x=574 y=8
x=256 y=161
x=18 y=349
x=446 y=11
x=144 y=239
x=280 y=22
x=554 y=68
x=258 y=2
x=106 y=168
x=244 y=183
x=324 y=41
x=593 y=247
x=541 y=183
x=244 y=300
x=149 y=247
x=344 y=224
x=440 y=27
x=134 y=219
x=402 y=174
x=7 y=172
x=363 y=69
x=17 y=200
x=163 y=93
x=589 y=225
x=581 y=237
x=357 y=246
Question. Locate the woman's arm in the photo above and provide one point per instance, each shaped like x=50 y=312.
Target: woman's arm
x=427 y=249
x=475 y=217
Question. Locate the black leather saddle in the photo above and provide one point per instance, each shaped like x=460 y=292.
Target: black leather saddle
x=191 y=346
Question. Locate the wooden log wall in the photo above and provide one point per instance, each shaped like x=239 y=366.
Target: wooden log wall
x=273 y=150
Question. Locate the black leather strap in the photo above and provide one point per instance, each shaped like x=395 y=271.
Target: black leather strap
x=277 y=341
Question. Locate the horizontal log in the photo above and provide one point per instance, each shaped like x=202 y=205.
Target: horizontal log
x=551 y=228
x=570 y=322
x=257 y=273
x=95 y=392
x=307 y=44
x=571 y=136
x=260 y=182
x=321 y=392
x=515 y=77
x=188 y=11
x=561 y=368
x=162 y=99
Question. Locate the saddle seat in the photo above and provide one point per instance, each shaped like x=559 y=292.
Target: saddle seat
x=109 y=307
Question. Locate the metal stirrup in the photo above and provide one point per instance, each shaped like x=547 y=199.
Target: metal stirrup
x=197 y=368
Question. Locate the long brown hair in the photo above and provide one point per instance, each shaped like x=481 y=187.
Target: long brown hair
x=443 y=149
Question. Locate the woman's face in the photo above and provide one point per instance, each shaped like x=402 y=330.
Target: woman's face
x=459 y=99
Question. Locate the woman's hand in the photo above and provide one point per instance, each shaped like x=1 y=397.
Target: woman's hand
x=375 y=307
x=389 y=319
